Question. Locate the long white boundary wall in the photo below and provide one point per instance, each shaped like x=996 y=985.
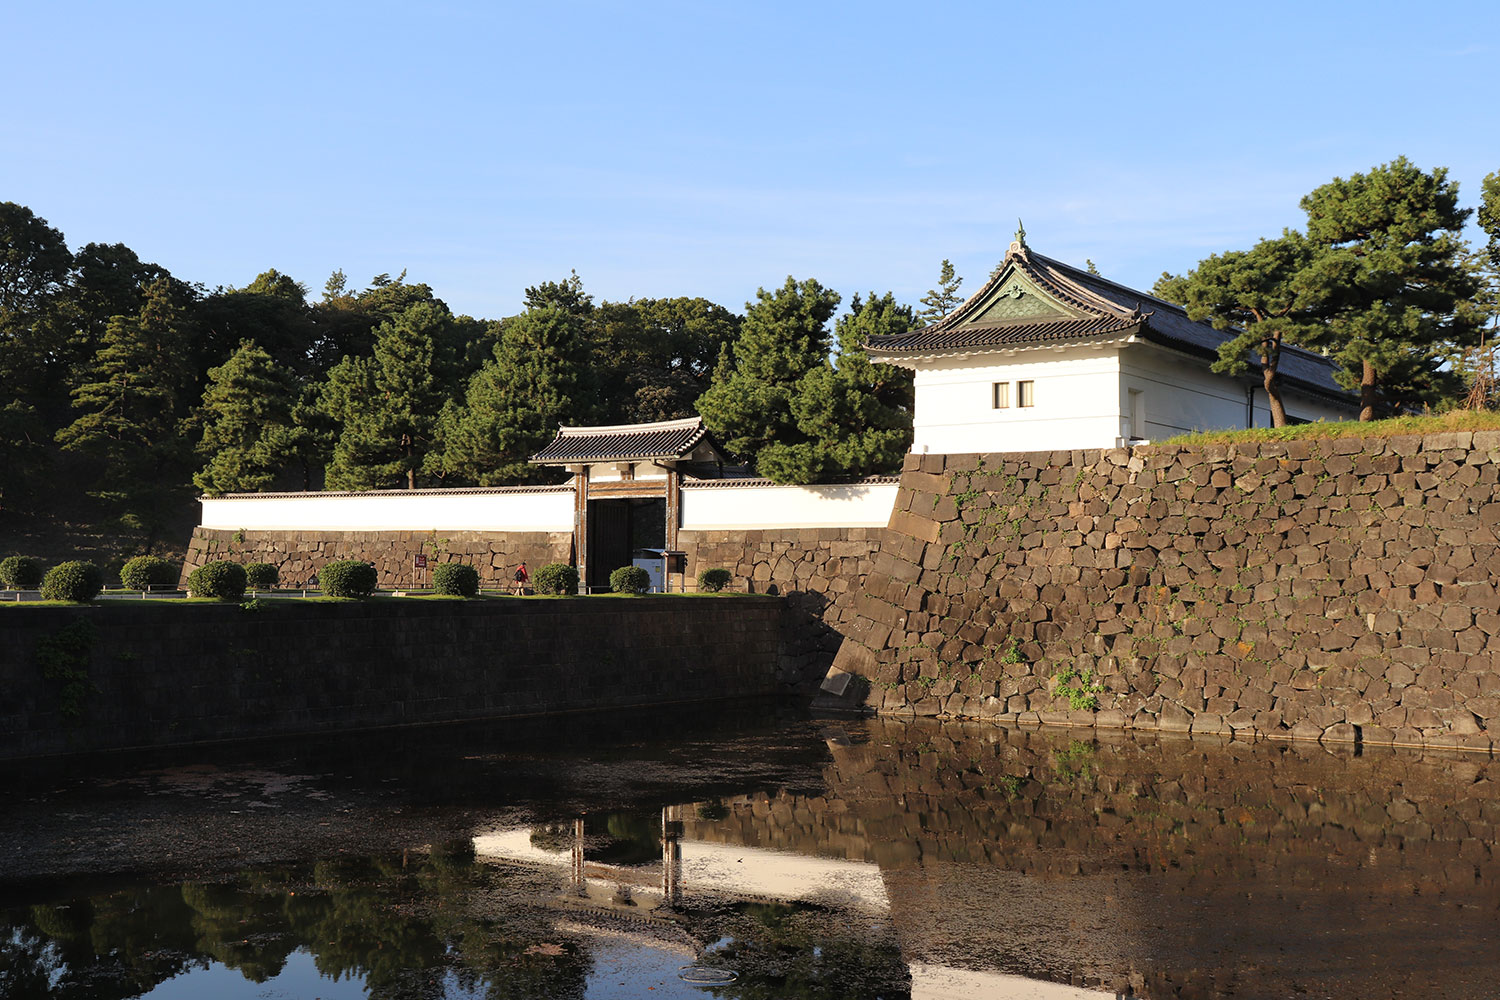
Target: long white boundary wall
x=727 y=506
x=395 y=510
x=719 y=505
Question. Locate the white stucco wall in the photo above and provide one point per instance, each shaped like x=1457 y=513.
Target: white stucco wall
x=854 y=505
x=498 y=510
x=1077 y=402
x=1181 y=395
x=1083 y=400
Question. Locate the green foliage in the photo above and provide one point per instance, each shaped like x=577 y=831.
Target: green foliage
x=131 y=402
x=714 y=580
x=942 y=300
x=1262 y=297
x=1489 y=216
x=1389 y=273
x=248 y=431
x=784 y=336
x=255 y=605
x=1171 y=288
x=777 y=398
x=630 y=580
x=261 y=576
x=654 y=357
x=20 y=572
x=221 y=579
x=455 y=579
x=72 y=581
x=1075 y=762
x=557 y=578
x=347 y=578
x=1081 y=688
x=64 y=656
x=145 y=572
x=539 y=377
x=388 y=406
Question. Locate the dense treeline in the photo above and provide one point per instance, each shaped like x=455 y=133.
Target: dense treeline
x=166 y=388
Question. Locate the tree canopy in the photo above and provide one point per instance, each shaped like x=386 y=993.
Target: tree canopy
x=1381 y=281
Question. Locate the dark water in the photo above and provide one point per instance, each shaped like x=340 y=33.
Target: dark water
x=600 y=857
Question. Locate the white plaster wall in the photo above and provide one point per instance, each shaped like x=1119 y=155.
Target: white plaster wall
x=1182 y=395
x=1077 y=402
x=550 y=511
x=1083 y=400
x=853 y=505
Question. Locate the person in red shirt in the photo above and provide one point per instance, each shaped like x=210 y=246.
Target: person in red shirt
x=522 y=579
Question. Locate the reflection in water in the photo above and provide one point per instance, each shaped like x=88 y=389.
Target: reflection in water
x=925 y=859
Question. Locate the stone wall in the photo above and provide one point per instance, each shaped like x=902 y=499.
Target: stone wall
x=1323 y=589
x=819 y=572
x=129 y=675
x=300 y=554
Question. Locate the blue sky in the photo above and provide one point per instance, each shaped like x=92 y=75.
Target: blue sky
x=706 y=149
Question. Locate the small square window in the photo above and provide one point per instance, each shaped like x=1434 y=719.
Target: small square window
x=1002 y=395
x=1026 y=393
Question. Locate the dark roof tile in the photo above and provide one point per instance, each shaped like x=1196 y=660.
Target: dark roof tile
x=671 y=439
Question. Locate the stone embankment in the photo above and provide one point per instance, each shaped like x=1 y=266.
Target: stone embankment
x=817 y=571
x=299 y=555
x=118 y=674
x=1339 y=589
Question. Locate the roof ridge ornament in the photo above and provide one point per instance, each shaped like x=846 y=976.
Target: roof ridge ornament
x=1018 y=242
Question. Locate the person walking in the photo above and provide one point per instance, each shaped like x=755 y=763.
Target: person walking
x=522 y=579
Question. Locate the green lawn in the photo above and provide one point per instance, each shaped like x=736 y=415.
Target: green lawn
x=1456 y=420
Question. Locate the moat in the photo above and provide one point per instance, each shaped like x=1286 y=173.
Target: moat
x=623 y=855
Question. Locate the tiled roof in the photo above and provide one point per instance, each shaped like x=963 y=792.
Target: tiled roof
x=625 y=442
x=1089 y=308
x=449 y=491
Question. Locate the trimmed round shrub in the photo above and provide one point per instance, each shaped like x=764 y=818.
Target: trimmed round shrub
x=630 y=580
x=72 y=581
x=145 y=572
x=20 y=572
x=261 y=576
x=347 y=578
x=455 y=579
x=714 y=580
x=557 y=578
x=220 y=579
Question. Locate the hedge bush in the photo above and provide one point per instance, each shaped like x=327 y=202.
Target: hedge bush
x=455 y=579
x=72 y=581
x=347 y=578
x=261 y=576
x=20 y=572
x=557 y=578
x=145 y=572
x=714 y=580
x=630 y=580
x=220 y=579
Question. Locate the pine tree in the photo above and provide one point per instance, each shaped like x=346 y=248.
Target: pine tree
x=855 y=416
x=130 y=407
x=1388 y=269
x=539 y=378
x=943 y=299
x=248 y=432
x=783 y=337
x=388 y=406
x=1260 y=297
